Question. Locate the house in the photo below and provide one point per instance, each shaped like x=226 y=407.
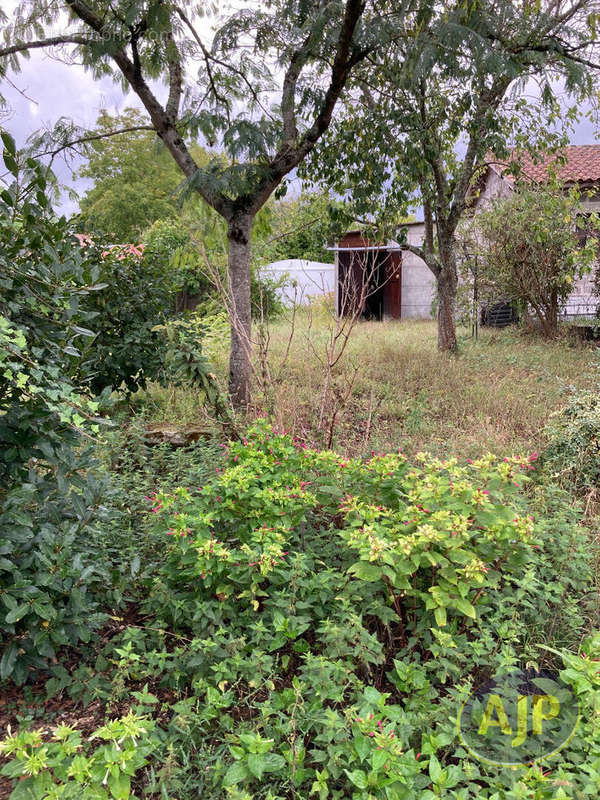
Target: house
x=575 y=166
x=407 y=285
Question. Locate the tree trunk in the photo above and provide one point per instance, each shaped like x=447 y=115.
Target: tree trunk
x=446 y=308
x=240 y=368
x=552 y=316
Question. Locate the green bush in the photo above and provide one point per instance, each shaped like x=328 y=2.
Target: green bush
x=572 y=455
x=313 y=623
x=136 y=296
x=66 y=767
x=323 y=613
x=183 y=247
x=50 y=494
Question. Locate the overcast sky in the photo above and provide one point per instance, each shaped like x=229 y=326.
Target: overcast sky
x=52 y=90
x=47 y=89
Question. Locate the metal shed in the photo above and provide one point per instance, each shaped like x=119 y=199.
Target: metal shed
x=368 y=277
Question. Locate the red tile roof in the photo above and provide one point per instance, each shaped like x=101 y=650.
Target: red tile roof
x=575 y=164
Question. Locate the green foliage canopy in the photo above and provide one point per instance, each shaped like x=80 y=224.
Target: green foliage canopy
x=530 y=248
x=135 y=180
x=49 y=493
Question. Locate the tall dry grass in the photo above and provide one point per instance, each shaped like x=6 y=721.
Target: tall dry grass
x=392 y=388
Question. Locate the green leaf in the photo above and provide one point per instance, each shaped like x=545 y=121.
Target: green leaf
x=435 y=769
x=273 y=762
x=119 y=785
x=235 y=774
x=8 y=660
x=362 y=746
x=8 y=142
x=17 y=613
x=256 y=764
x=465 y=607
x=11 y=164
x=358 y=778
x=378 y=760
x=365 y=571
x=440 y=616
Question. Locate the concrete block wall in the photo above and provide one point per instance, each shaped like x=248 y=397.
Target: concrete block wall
x=418 y=281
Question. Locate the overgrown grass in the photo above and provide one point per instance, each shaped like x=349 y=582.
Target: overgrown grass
x=496 y=395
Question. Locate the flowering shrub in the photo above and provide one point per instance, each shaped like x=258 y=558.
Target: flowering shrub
x=313 y=623
x=439 y=534
x=65 y=766
x=432 y=537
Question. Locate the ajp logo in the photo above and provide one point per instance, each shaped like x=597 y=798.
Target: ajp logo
x=518 y=718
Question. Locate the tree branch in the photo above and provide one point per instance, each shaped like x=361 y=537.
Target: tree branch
x=487 y=100
x=287 y=158
x=210 y=58
x=163 y=125
x=93 y=137
x=431 y=261
x=288 y=94
x=37 y=44
x=175 y=79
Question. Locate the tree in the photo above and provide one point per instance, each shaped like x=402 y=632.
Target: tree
x=135 y=179
x=423 y=133
x=531 y=250
x=301 y=227
x=265 y=94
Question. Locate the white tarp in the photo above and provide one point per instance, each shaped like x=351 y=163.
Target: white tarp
x=302 y=279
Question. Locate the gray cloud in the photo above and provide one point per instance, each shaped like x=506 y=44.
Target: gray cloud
x=47 y=89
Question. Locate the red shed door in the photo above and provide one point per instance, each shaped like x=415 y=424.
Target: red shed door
x=395 y=285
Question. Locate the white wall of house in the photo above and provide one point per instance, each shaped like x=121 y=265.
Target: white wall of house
x=302 y=279
x=582 y=299
x=418 y=281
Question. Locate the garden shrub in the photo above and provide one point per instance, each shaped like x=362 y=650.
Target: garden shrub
x=50 y=492
x=324 y=613
x=65 y=766
x=313 y=623
x=572 y=456
x=430 y=537
x=189 y=251
x=126 y=351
